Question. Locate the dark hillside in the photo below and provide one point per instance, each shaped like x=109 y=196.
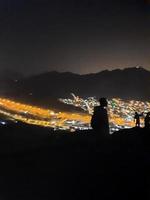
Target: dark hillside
x=45 y=89
x=128 y=83
x=37 y=163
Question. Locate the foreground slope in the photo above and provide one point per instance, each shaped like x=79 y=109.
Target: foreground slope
x=41 y=164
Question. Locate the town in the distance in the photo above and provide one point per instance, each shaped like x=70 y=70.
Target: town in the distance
x=121 y=113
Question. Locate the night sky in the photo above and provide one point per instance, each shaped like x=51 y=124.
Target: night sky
x=80 y=36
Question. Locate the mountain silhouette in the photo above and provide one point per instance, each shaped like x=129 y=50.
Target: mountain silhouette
x=8 y=81
x=129 y=83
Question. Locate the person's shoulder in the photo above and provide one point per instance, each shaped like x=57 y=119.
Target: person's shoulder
x=96 y=108
x=99 y=109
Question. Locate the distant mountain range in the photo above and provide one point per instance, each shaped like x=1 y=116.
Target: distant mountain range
x=129 y=83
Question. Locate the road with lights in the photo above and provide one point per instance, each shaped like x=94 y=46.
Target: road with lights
x=39 y=116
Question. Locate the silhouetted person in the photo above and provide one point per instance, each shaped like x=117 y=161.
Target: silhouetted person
x=147 y=120
x=137 y=119
x=99 y=120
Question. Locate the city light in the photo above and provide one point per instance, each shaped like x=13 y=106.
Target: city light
x=39 y=116
x=121 y=113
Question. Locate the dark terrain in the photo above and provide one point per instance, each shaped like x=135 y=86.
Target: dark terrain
x=37 y=163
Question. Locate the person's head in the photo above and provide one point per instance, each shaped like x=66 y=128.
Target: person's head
x=103 y=102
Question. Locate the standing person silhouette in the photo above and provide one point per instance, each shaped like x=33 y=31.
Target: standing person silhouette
x=99 y=120
x=147 y=120
x=137 y=119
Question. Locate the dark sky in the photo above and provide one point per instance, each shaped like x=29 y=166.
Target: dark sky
x=81 y=36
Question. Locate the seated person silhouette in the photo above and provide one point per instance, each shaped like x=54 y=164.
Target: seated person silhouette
x=147 y=120
x=99 y=120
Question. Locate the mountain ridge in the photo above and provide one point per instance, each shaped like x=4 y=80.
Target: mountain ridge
x=128 y=83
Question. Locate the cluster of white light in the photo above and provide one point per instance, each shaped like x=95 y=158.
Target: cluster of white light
x=121 y=112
